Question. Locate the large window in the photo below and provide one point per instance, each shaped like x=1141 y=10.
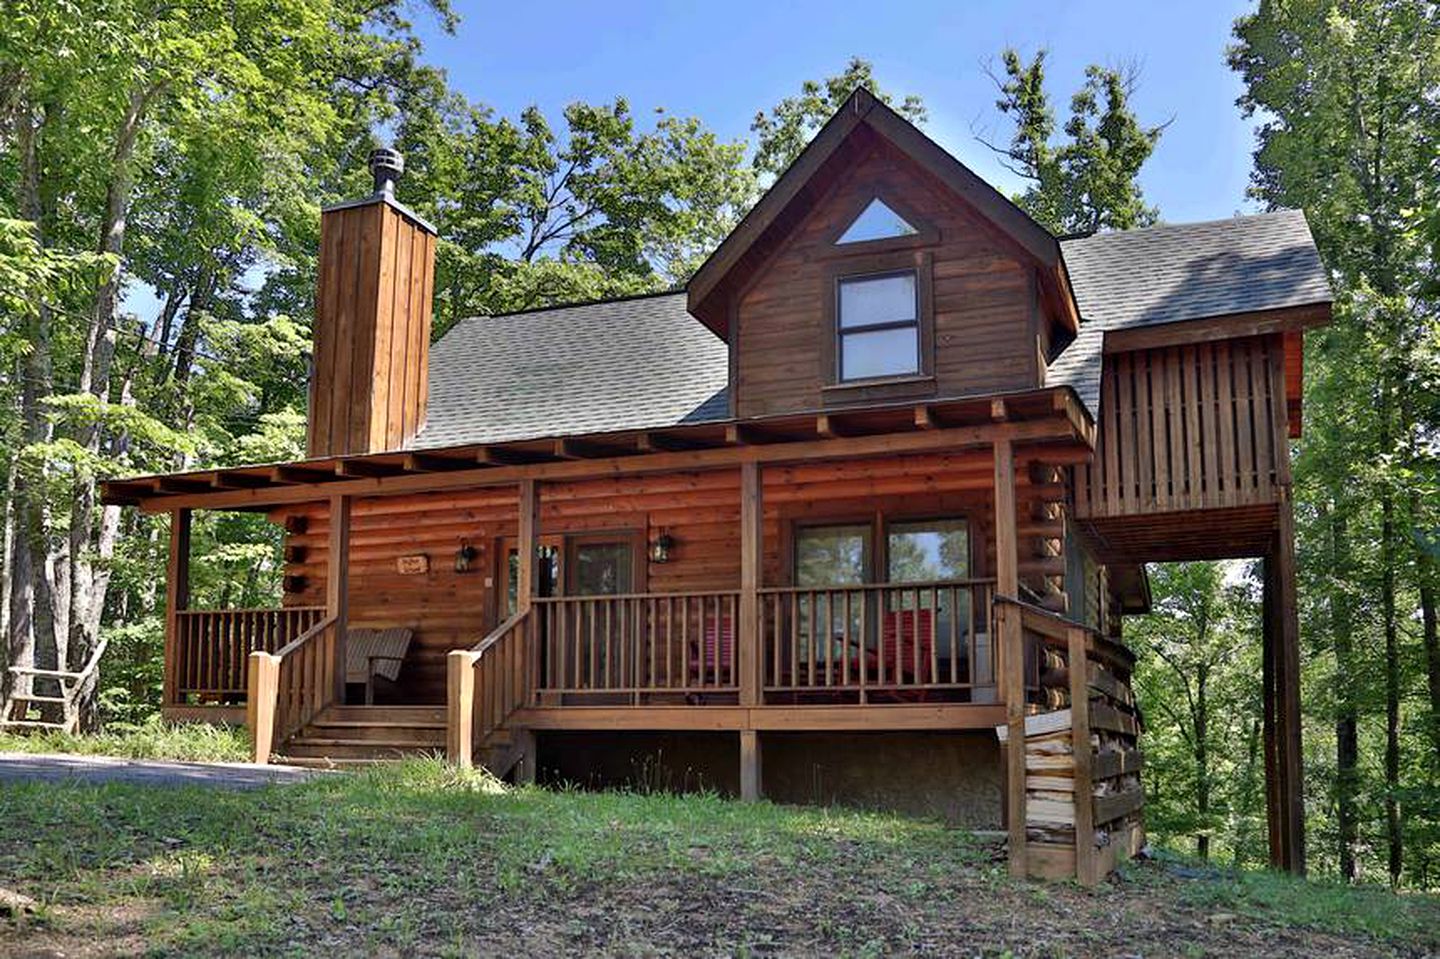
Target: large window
x=928 y=551
x=918 y=551
x=878 y=325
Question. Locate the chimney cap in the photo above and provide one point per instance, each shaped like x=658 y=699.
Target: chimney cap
x=386 y=166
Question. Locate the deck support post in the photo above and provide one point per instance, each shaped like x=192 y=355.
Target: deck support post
x=1010 y=650
x=751 y=786
x=528 y=766
x=1284 y=795
x=177 y=599
x=460 y=707
x=337 y=586
x=1079 y=667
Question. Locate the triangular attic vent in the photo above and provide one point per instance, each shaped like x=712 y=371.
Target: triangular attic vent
x=876 y=222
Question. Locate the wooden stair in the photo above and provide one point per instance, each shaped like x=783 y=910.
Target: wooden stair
x=363 y=735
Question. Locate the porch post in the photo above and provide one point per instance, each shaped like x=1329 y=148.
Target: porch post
x=460 y=707
x=177 y=598
x=337 y=586
x=527 y=541
x=1011 y=651
x=1078 y=644
x=749 y=660
x=526 y=544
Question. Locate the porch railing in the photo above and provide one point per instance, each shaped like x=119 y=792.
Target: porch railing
x=290 y=687
x=486 y=684
x=879 y=642
x=213 y=647
x=640 y=643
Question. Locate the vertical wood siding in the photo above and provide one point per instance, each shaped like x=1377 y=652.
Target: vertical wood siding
x=1188 y=427
x=372 y=331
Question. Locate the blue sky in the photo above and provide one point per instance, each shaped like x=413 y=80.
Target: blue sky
x=723 y=61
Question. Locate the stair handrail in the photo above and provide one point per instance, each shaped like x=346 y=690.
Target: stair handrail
x=273 y=717
x=471 y=718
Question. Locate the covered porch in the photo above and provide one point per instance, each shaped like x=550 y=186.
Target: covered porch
x=779 y=591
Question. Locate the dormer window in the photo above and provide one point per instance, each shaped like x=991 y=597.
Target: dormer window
x=879 y=306
x=876 y=222
x=878 y=325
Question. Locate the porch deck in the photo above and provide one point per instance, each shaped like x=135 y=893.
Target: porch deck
x=914 y=655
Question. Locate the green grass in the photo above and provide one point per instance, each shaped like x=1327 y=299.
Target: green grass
x=421 y=859
x=195 y=742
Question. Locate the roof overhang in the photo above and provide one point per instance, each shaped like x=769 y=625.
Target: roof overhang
x=1052 y=418
x=1219 y=327
x=773 y=214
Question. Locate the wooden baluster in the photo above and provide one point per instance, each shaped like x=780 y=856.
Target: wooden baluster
x=669 y=641
x=685 y=642
x=915 y=676
x=882 y=606
x=934 y=634
x=794 y=605
x=859 y=651
x=650 y=623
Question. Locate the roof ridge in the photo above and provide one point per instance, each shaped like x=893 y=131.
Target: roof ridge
x=1189 y=224
x=574 y=305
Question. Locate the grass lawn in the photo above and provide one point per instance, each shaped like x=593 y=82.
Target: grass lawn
x=194 y=742
x=418 y=859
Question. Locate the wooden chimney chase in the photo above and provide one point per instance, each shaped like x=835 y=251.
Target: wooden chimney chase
x=372 y=321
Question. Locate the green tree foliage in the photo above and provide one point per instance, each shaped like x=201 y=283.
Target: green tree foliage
x=787 y=128
x=193 y=145
x=1088 y=182
x=598 y=208
x=1198 y=678
x=1348 y=126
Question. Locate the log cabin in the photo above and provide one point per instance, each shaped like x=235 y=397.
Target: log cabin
x=854 y=516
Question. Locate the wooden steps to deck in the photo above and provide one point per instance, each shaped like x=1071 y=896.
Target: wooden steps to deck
x=364 y=735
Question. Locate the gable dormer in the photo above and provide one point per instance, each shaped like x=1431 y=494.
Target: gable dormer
x=878 y=268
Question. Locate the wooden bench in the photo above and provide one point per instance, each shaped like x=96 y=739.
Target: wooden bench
x=375 y=652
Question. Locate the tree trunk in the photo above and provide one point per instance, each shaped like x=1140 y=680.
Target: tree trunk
x=1425 y=581
x=1347 y=740
x=1392 y=684
x=28 y=521
x=1202 y=760
x=86 y=580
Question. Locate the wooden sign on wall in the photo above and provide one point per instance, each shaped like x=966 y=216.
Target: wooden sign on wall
x=412 y=565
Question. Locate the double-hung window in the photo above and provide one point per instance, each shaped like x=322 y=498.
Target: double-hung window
x=877 y=325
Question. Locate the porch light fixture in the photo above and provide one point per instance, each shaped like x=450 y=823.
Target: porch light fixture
x=660 y=548
x=464 y=556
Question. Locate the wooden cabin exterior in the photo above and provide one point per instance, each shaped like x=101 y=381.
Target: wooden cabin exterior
x=861 y=507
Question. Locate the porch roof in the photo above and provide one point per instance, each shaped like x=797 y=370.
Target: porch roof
x=1051 y=415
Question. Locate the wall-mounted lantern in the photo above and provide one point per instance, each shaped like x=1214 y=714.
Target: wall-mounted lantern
x=661 y=547
x=464 y=556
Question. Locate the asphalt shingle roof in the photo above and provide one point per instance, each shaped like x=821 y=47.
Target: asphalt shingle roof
x=646 y=363
x=1169 y=274
x=625 y=364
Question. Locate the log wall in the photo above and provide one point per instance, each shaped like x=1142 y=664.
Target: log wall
x=700 y=510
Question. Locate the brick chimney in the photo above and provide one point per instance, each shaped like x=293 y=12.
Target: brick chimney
x=372 y=321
